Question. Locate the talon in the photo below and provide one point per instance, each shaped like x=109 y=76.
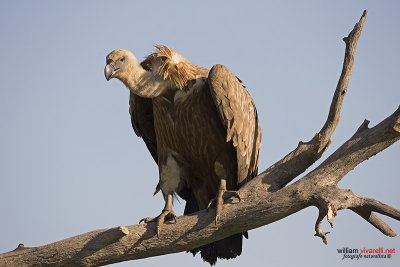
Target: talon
x=219 y=200
x=229 y=194
x=147 y=220
x=211 y=203
x=159 y=226
x=167 y=214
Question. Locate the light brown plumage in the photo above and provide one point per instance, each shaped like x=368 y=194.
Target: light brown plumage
x=205 y=130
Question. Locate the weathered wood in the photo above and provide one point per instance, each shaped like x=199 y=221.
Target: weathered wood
x=265 y=199
x=301 y=158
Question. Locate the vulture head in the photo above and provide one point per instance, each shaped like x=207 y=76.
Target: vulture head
x=123 y=65
x=120 y=64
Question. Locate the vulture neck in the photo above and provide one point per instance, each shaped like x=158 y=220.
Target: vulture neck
x=145 y=83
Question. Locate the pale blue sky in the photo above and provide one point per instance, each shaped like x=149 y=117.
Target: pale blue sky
x=70 y=162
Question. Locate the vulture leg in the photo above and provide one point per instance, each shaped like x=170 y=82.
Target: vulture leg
x=167 y=214
x=222 y=195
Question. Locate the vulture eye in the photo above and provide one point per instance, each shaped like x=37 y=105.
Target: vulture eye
x=122 y=59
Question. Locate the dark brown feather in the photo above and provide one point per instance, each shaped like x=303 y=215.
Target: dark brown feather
x=239 y=116
x=141 y=111
x=213 y=120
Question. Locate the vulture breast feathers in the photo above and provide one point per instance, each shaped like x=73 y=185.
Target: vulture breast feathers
x=200 y=126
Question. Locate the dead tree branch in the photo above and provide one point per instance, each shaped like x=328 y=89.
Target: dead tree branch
x=297 y=161
x=265 y=199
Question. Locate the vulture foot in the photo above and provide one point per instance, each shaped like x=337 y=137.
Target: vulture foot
x=166 y=215
x=222 y=195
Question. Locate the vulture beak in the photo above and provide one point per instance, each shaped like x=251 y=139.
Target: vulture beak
x=108 y=72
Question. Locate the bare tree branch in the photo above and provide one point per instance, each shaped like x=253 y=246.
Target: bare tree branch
x=371 y=217
x=297 y=161
x=364 y=144
x=318 y=229
x=265 y=199
x=256 y=209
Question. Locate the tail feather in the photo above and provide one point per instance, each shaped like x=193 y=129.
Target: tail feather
x=227 y=248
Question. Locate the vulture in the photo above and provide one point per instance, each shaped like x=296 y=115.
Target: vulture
x=201 y=128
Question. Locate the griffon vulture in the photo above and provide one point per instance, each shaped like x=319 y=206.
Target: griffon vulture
x=201 y=128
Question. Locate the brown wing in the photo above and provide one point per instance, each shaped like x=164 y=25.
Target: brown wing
x=141 y=111
x=239 y=116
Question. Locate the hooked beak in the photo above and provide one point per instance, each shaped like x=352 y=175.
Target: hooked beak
x=108 y=72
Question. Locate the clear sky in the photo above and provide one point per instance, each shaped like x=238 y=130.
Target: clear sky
x=70 y=162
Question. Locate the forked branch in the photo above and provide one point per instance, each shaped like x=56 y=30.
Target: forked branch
x=265 y=199
x=301 y=158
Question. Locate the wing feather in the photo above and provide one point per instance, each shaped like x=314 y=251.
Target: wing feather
x=141 y=112
x=239 y=116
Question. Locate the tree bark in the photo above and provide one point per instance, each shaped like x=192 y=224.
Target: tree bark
x=264 y=200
